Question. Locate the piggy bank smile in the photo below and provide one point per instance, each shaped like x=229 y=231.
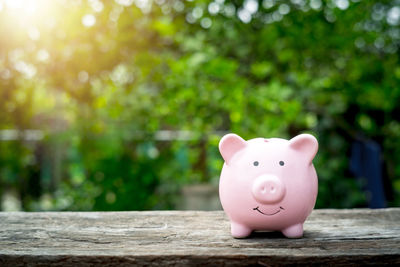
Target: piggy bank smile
x=258 y=209
x=268 y=184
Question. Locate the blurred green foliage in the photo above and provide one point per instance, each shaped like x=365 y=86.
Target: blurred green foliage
x=131 y=97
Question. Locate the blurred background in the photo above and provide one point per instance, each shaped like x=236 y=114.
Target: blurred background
x=120 y=105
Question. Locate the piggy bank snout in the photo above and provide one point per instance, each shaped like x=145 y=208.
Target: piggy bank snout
x=268 y=189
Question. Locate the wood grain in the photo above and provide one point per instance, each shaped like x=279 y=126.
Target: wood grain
x=182 y=238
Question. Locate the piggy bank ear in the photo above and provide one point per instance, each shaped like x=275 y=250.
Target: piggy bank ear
x=306 y=144
x=229 y=145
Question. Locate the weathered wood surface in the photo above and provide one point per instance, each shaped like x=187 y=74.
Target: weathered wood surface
x=332 y=237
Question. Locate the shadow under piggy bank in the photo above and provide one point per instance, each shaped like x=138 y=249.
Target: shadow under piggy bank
x=276 y=240
x=278 y=235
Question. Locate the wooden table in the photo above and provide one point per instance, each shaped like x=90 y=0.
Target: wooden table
x=332 y=237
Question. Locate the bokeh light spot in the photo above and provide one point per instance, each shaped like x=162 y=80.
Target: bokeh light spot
x=42 y=55
x=284 y=9
x=96 y=5
x=88 y=20
x=33 y=33
x=315 y=4
x=124 y=2
x=206 y=23
x=179 y=6
x=229 y=10
x=83 y=76
x=342 y=4
x=251 y=6
x=267 y=4
x=213 y=8
x=393 y=16
x=197 y=12
x=244 y=15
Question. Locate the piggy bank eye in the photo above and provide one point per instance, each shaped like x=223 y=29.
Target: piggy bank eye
x=281 y=163
x=255 y=163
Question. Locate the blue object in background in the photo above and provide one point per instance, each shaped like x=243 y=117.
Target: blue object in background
x=366 y=164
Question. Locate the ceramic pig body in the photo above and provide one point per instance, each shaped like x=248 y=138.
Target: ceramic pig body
x=268 y=184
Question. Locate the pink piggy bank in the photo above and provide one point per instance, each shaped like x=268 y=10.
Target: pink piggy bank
x=268 y=184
